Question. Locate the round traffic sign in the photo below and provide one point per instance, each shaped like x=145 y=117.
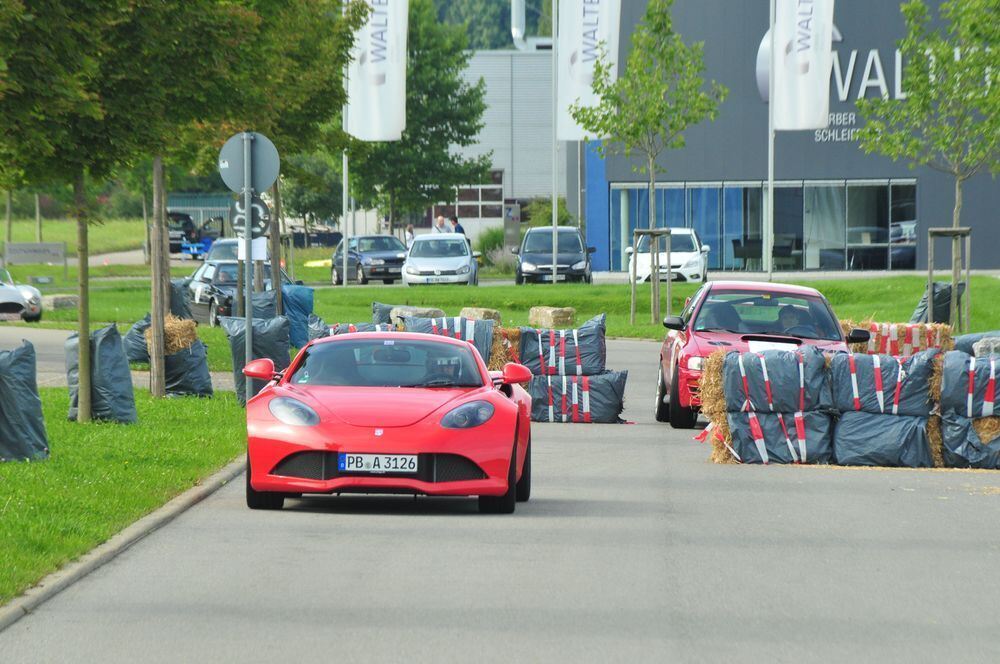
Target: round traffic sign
x=263 y=159
x=260 y=217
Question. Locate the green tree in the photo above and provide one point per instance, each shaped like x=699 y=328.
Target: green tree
x=442 y=111
x=313 y=189
x=487 y=22
x=950 y=118
x=658 y=96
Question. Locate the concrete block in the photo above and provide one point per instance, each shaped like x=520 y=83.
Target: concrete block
x=413 y=312
x=986 y=346
x=52 y=302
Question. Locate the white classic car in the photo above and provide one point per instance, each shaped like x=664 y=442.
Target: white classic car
x=18 y=301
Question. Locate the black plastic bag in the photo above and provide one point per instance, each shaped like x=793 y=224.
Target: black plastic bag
x=297 y=302
x=134 y=341
x=578 y=351
x=816 y=428
x=782 y=367
x=865 y=439
x=580 y=399
x=179 y=299
x=479 y=332
x=955 y=393
x=942 y=304
x=380 y=312
x=350 y=328
x=22 y=426
x=914 y=390
x=111 y=394
x=186 y=372
x=966 y=342
x=265 y=305
x=270 y=339
x=317 y=327
x=963 y=448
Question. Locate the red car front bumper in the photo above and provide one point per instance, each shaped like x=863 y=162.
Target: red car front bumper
x=687 y=387
x=450 y=462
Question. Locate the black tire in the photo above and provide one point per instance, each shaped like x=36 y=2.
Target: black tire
x=661 y=411
x=506 y=503
x=361 y=276
x=524 y=484
x=33 y=319
x=518 y=279
x=680 y=417
x=335 y=277
x=388 y=282
x=262 y=500
x=213 y=314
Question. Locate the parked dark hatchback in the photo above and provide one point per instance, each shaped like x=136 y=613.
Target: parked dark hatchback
x=534 y=257
x=212 y=286
x=369 y=257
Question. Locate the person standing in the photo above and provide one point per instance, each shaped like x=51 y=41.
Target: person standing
x=439 y=226
x=455 y=226
x=409 y=235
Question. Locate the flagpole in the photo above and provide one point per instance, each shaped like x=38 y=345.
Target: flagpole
x=768 y=244
x=345 y=184
x=555 y=144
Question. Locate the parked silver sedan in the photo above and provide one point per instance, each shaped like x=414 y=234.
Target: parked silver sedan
x=441 y=258
x=19 y=301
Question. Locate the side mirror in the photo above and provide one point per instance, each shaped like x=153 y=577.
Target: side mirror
x=515 y=373
x=629 y=250
x=673 y=323
x=705 y=248
x=299 y=282
x=858 y=336
x=591 y=250
x=477 y=254
x=262 y=369
x=515 y=250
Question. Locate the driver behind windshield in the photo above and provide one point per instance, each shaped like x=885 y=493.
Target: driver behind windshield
x=791 y=317
x=443 y=367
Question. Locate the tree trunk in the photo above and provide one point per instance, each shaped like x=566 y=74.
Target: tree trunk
x=38 y=218
x=275 y=243
x=654 y=246
x=9 y=235
x=146 y=248
x=392 y=213
x=157 y=307
x=83 y=309
x=956 y=257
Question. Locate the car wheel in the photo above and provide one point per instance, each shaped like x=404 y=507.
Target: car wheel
x=506 y=503
x=213 y=314
x=518 y=279
x=680 y=417
x=524 y=484
x=361 y=276
x=334 y=277
x=262 y=500
x=661 y=411
x=388 y=282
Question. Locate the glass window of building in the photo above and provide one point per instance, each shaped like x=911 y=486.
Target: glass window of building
x=742 y=243
x=787 y=227
x=824 y=223
x=903 y=227
x=867 y=226
x=705 y=218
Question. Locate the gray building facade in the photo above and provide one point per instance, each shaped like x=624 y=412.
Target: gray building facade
x=836 y=208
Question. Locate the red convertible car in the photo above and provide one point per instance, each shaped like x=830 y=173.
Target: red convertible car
x=389 y=412
x=742 y=316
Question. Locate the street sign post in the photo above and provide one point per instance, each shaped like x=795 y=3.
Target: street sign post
x=249 y=164
x=260 y=218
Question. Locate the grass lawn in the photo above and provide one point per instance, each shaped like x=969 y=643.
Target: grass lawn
x=102 y=238
x=102 y=477
x=888 y=299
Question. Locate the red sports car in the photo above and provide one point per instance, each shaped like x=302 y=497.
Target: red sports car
x=742 y=316
x=389 y=412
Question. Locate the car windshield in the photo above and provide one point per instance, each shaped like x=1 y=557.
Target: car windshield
x=223 y=251
x=763 y=312
x=380 y=243
x=5 y=278
x=388 y=363
x=439 y=248
x=539 y=242
x=682 y=242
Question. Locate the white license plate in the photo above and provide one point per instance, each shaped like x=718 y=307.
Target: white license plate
x=548 y=277
x=377 y=463
x=394 y=269
x=10 y=316
x=437 y=280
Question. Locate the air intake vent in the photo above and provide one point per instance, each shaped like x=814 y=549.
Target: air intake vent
x=430 y=467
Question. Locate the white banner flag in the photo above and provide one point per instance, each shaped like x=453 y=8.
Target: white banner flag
x=585 y=27
x=803 y=31
x=376 y=77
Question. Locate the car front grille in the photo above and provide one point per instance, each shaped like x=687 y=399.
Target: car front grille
x=430 y=468
x=10 y=308
x=438 y=273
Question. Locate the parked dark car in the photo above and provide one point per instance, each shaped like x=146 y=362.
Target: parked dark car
x=181 y=228
x=534 y=257
x=227 y=249
x=212 y=287
x=369 y=257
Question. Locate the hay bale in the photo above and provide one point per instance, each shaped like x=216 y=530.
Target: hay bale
x=935 y=439
x=880 y=336
x=987 y=428
x=178 y=334
x=480 y=313
x=396 y=314
x=713 y=406
x=934 y=380
x=53 y=302
x=506 y=341
x=551 y=317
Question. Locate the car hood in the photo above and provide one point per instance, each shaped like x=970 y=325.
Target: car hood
x=706 y=343
x=442 y=263
x=676 y=257
x=545 y=258
x=377 y=406
x=385 y=255
x=11 y=294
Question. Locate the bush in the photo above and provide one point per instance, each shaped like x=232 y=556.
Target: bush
x=488 y=241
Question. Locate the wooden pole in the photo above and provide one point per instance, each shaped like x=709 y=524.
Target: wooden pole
x=38 y=218
x=635 y=248
x=157 y=307
x=83 y=308
x=275 y=242
x=9 y=235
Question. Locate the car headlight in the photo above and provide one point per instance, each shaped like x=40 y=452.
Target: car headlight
x=693 y=262
x=365 y=260
x=468 y=415
x=528 y=267
x=579 y=266
x=463 y=270
x=695 y=363
x=293 y=412
x=377 y=261
x=30 y=296
x=412 y=270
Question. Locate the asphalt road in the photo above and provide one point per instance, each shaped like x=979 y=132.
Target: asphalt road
x=633 y=548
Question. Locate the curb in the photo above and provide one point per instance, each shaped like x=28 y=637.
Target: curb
x=61 y=579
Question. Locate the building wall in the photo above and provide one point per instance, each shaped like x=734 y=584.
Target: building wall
x=734 y=147
x=517 y=123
